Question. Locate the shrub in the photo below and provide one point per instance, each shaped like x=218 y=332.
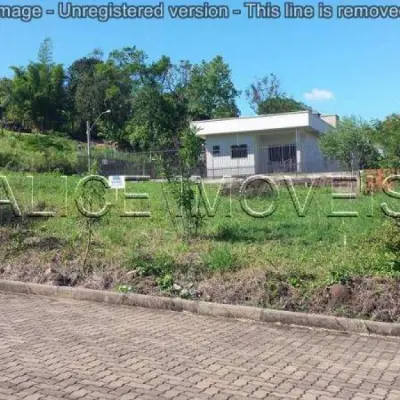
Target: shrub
x=393 y=244
x=220 y=258
x=151 y=265
x=38 y=153
x=165 y=282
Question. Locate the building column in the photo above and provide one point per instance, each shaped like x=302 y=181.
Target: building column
x=298 y=151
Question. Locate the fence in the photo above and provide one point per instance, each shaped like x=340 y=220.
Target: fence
x=268 y=159
x=215 y=162
x=139 y=163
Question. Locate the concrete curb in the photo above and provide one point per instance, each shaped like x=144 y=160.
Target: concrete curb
x=204 y=308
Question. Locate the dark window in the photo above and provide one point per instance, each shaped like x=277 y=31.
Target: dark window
x=282 y=153
x=215 y=150
x=239 y=151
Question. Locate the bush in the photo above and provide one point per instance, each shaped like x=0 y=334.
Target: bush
x=221 y=258
x=393 y=243
x=151 y=265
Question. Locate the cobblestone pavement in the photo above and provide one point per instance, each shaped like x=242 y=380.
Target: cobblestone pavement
x=56 y=348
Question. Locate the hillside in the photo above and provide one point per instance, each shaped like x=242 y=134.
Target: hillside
x=36 y=152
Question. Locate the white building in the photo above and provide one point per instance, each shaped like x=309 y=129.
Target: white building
x=277 y=143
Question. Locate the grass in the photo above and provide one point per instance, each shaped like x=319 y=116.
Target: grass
x=280 y=255
x=316 y=242
x=37 y=152
x=43 y=153
x=283 y=261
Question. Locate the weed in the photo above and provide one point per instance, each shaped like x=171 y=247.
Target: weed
x=221 y=258
x=125 y=289
x=90 y=198
x=165 y=282
x=181 y=185
x=147 y=264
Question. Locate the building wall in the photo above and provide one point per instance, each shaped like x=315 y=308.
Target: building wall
x=332 y=120
x=312 y=159
x=223 y=164
x=277 y=138
x=309 y=155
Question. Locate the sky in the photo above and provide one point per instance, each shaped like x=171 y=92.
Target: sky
x=337 y=66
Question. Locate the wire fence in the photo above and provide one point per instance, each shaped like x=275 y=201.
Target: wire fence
x=216 y=162
x=152 y=164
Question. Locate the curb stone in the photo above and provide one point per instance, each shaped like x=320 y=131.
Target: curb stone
x=205 y=308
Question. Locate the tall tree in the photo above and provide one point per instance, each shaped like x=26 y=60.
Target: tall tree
x=115 y=88
x=158 y=120
x=83 y=101
x=5 y=96
x=134 y=62
x=38 y=95
x=211 y=92
x=157 y=113
x=152 y=101
x=45 y=55
x=266 y=97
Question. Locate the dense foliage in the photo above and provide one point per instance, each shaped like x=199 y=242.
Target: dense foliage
x=150 y=101
x=153 y=101
x=352 y=144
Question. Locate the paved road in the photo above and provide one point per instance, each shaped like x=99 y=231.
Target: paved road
x=52 y=348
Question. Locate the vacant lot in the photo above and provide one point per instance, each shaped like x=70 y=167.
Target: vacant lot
x=319 y=263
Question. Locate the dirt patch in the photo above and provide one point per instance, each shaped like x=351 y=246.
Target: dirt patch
x=372 y=298
x=363 y=297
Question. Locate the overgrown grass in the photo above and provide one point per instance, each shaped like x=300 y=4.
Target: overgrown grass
x=307 y=253
x=37 y=152
x=44 y=153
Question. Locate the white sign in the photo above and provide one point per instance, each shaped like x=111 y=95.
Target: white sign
x=117 y=182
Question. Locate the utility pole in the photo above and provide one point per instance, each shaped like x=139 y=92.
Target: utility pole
x=88 y=144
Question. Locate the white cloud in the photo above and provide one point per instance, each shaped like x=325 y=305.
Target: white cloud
x=319 y=95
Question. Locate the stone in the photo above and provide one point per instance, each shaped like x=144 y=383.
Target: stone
x=132 y=274
x=338 y=293
x=176 y=287
x=49 y=271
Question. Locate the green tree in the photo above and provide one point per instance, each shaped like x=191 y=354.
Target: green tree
x=37 y=96
x=387 y=136
x=158 y=113
x=166 y=97
x=266 y=97
x=211 y=92
x=45 y=55
x=157 y=120
x=115 y=89
x=93 y=86
x=80 y=79
x=351 y=143
x=151 y=102
x=5 y=96
x=135 y=63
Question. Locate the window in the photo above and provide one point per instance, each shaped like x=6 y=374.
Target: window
x=239 y=151
x=282 y=153
x=215 y=150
